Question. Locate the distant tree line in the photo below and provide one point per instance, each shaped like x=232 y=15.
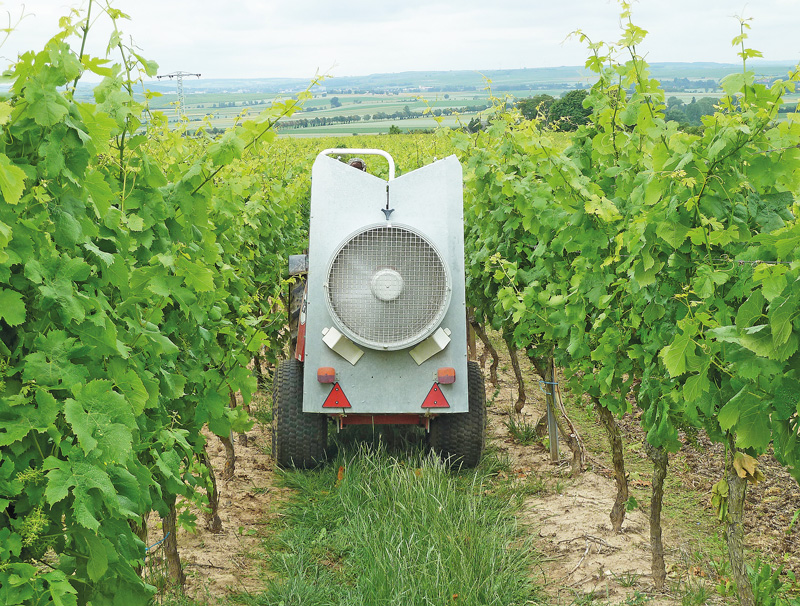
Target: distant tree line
x=405 y=114
x=565 y=113
x=689 y=114
x=568 y=112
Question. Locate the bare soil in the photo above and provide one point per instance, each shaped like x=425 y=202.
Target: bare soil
x=582 y=558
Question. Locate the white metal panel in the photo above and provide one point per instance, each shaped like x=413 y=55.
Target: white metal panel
x=344 y=200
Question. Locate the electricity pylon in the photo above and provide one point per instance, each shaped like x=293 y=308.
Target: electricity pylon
x=179 y=77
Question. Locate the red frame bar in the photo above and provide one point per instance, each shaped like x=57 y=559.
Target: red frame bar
x=391 y=419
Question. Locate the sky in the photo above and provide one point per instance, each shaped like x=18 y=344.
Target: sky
x=299 y=38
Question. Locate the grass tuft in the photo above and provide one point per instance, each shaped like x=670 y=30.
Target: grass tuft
x=523 y=432
x=372 y=528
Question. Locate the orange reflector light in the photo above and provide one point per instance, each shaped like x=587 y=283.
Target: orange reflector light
x=326 y=374
x=446 y=376
x=435 y=398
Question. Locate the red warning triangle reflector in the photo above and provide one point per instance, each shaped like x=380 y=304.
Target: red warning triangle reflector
x=435 y=398
x=336 y=399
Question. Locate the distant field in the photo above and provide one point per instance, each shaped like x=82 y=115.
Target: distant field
x=221 y=109
x=379 y=126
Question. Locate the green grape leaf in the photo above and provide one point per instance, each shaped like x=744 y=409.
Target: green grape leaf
x=10 y=543
x=52 y=365
x=19 y=416
x=96 y=65
x=787 y=399
x=751 y=310
x=100 y=126
x=172 y=384
x=105 y=258
x=60 y=589
x=99 y=550
x=758 y=339
x=772 y=279
x=164 y=285
x=782 y=311
x=196 y=276
x=695 y=386
x=5 y=112
x=12 y=307
x=169 y=464
x=673 y=233
x=129 y=383
x=5 y=234
x=676 y=353
x=100 y=192
x=229 y=147
x=135 y=222
x=47 y=106
x=150 y=66
x=734 y=83
x=100 y=333
x=12 y=180
x=603 y=208
x=786 y=244
x=83 y=479
x=743 y=414
x=102 y=420
x=68 y=230
x=162 y=344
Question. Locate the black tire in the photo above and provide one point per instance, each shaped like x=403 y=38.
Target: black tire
x=459 y=439
x=296 y=292
x=298 y=439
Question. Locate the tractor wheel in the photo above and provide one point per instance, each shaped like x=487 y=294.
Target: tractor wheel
x=298 y=439
x=296 y=292
x=459 y=438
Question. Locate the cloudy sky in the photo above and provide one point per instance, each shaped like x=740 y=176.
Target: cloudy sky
x=297 y=38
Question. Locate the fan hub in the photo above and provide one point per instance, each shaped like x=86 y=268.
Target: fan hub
x=387 y=284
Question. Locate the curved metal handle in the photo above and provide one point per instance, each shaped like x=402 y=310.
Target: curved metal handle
x=361 y=152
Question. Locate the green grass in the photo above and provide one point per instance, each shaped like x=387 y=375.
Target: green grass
x=523 y=432
x=397 y=530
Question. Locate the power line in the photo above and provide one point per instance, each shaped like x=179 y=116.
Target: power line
x=179 y=78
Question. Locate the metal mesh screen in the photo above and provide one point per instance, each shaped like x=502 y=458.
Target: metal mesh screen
x=388 y=288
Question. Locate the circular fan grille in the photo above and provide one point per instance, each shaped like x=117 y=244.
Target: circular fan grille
x=388 y=287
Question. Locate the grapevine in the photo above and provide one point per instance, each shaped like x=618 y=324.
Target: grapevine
x=133 y=298
x=661 y=265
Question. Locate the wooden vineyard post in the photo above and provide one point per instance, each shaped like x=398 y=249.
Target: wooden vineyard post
x=552 y=423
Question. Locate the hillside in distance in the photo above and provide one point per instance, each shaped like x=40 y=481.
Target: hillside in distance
x=538 y=78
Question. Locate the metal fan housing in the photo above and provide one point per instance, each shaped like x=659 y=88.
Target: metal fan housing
x=387 y=287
